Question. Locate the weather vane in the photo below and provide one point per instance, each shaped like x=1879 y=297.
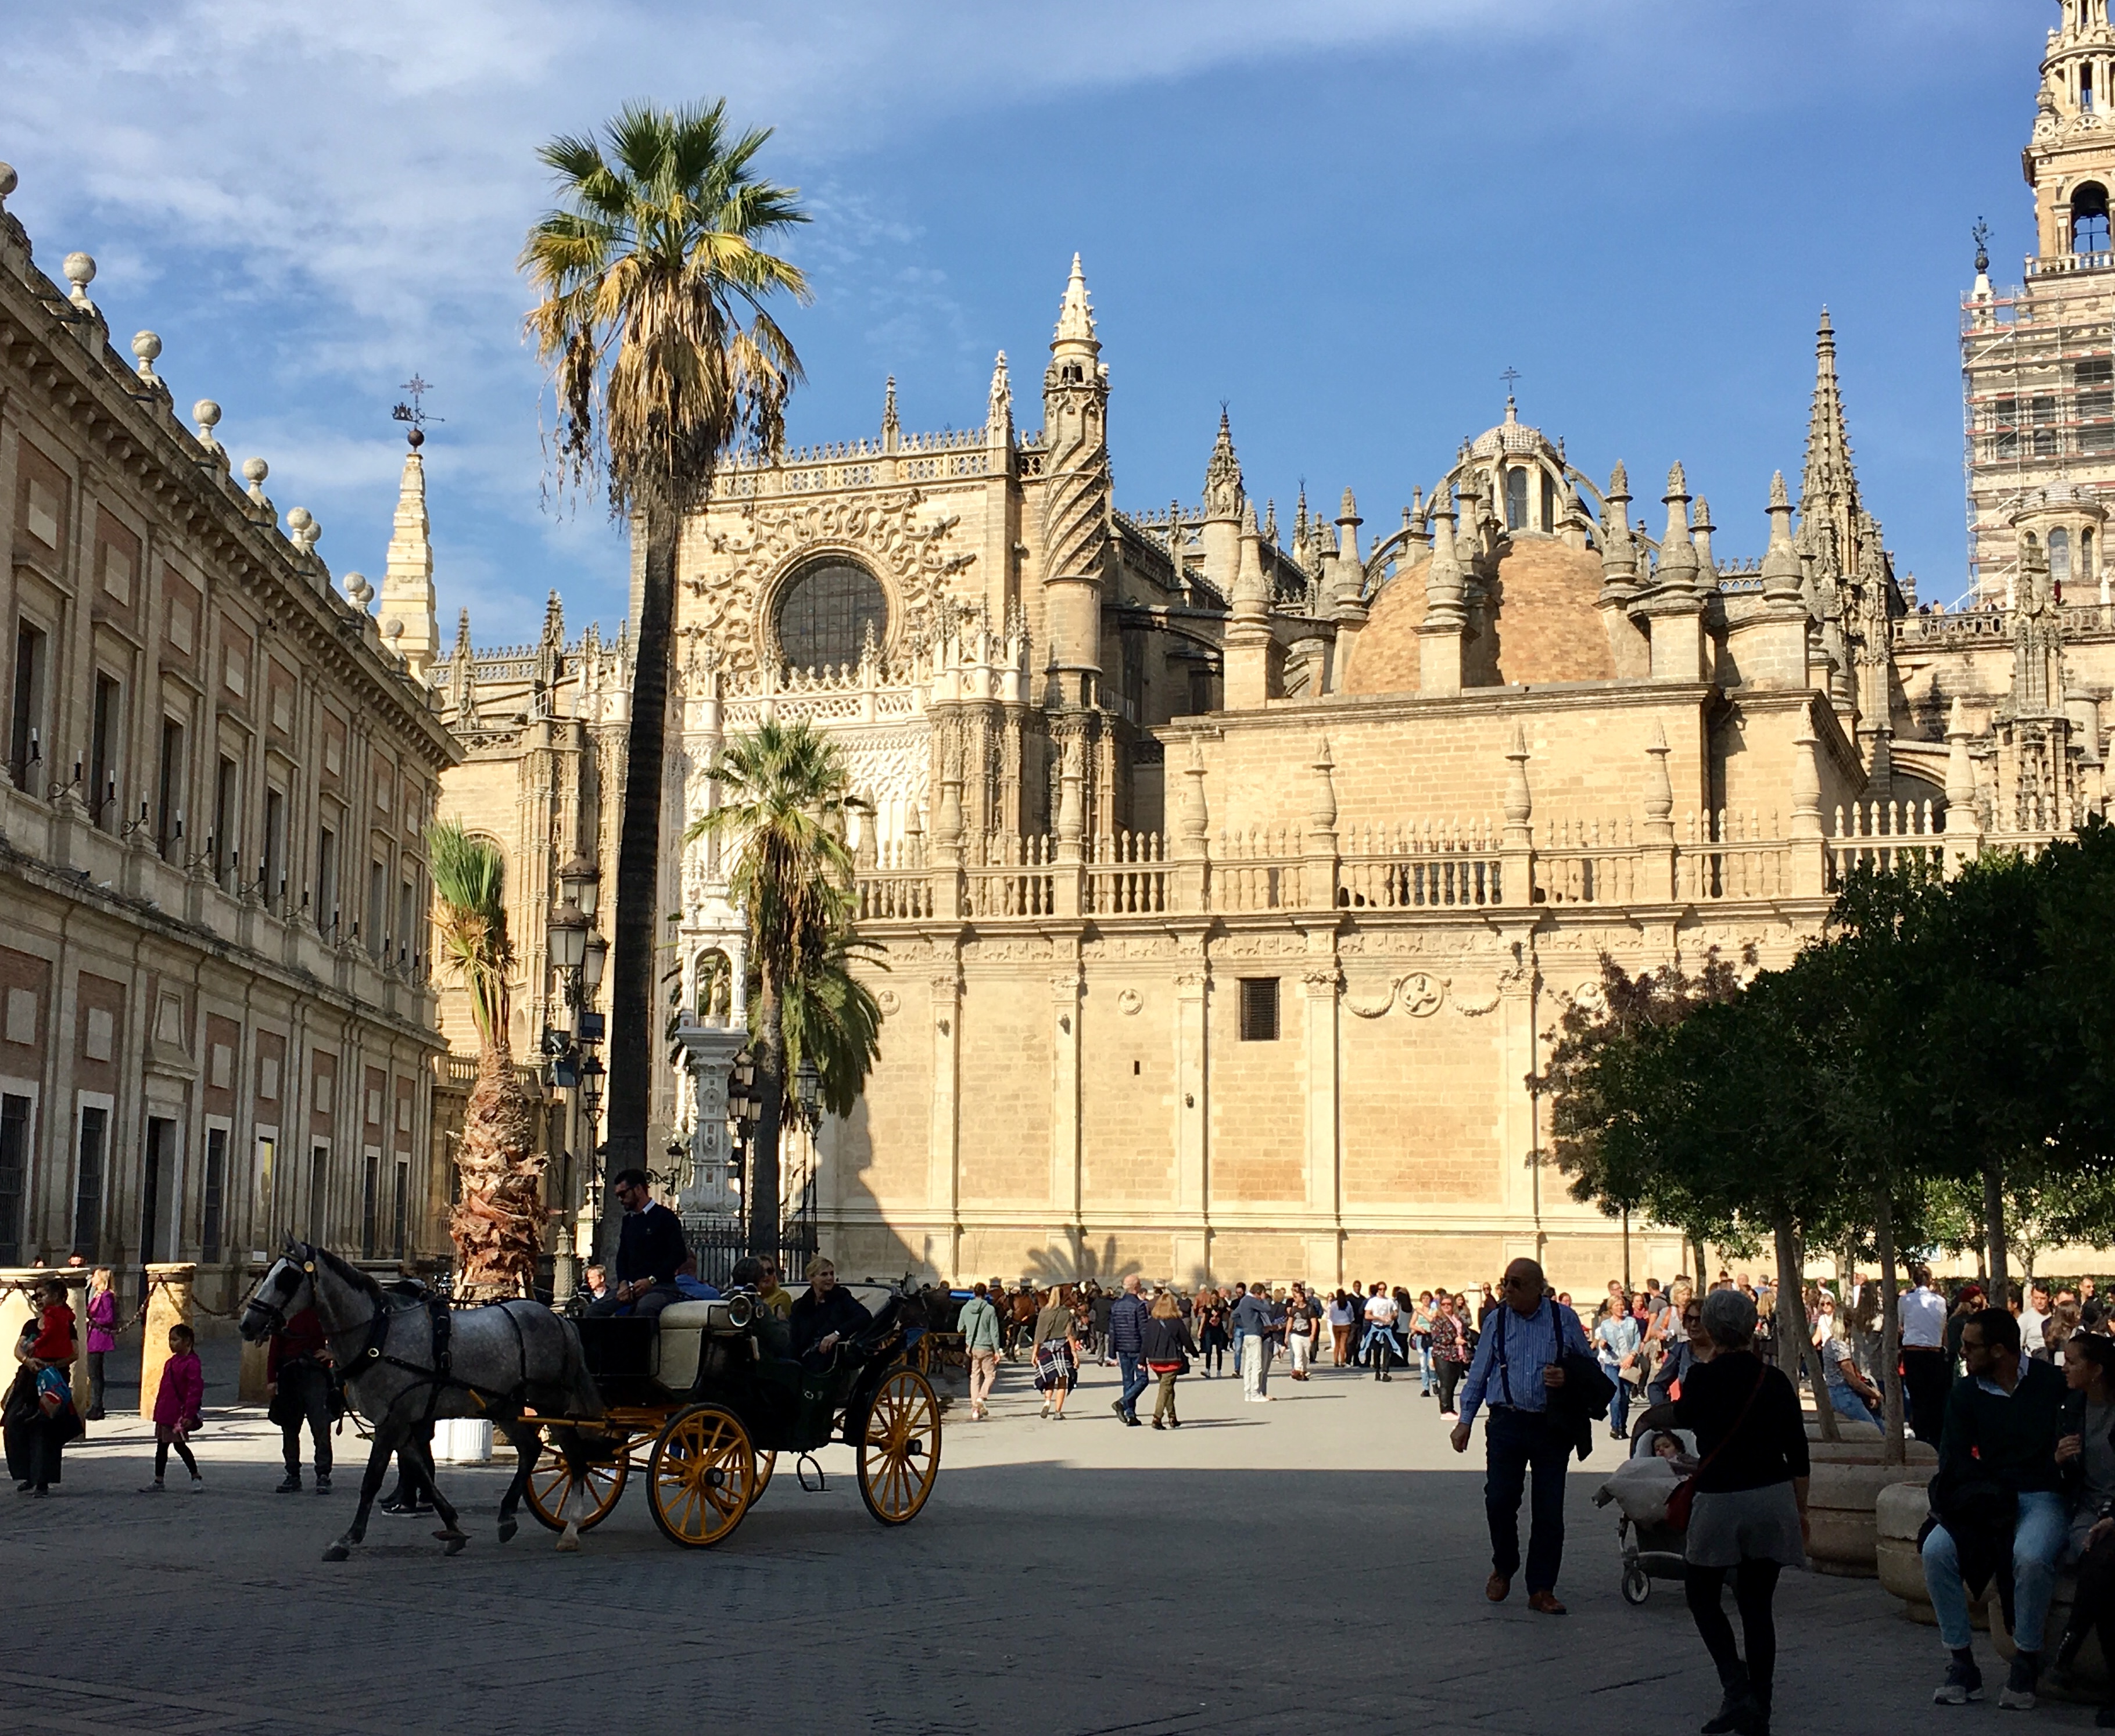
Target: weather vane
x=1981 y=235
x=415 y=412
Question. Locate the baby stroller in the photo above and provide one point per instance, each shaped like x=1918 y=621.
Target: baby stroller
x=1651 y=1550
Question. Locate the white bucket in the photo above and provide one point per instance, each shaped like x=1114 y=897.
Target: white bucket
x=463 y=1440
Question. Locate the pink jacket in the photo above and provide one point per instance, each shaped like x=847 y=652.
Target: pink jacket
x=183 y=1390
x=103 y=1321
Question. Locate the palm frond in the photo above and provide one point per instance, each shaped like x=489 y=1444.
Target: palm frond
x=469 y=886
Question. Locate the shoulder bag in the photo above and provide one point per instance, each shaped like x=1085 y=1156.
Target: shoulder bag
x=1684 y=1498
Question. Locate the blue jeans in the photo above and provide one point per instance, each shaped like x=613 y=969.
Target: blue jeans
x=1136 y=1378
x=1619 y=1407
x=1514 y=1441
x=2037 y=1541
x=1846 y=1403
x=1424 y=1365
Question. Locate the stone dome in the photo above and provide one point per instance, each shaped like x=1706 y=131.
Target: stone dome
x=1547 y=627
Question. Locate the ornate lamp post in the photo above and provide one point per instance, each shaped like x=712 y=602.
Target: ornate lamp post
x=578 y=953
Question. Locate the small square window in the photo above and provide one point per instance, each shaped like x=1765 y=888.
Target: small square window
x=1259 y=1009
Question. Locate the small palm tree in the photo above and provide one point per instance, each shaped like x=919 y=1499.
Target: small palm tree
x=494 y=1227
x=783 y=797
x=654 y=283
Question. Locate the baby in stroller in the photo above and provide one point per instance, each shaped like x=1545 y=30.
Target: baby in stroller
x=1660 y=1460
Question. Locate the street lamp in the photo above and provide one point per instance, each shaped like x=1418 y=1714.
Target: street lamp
x=808 y=1088
x=594 y=957
x=591 y=1077
x=569 y=937
x=580 y=883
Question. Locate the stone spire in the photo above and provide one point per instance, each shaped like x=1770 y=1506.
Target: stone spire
x=462 y=677
x=1223 y=494
x=1781 y=568
x=550 y=654
x=408 y=581
x=1677 y=554
x=999 y=406
x=1619 y=548
x=892 y=430
x=1828 y=489
x=1075 y=316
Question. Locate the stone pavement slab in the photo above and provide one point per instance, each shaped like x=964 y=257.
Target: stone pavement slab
x=1314 y=1565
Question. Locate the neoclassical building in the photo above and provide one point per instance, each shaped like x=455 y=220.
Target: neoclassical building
x=217 y=1016
x=1231 y=881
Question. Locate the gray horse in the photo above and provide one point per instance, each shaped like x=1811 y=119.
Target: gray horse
x=404 y=1370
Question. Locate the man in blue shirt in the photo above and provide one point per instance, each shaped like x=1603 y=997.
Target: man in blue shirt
x=1127 y=1318
x=1250 y=1322
x=1519 y=1365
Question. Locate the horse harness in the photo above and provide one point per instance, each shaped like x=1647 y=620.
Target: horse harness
x=442 y=1373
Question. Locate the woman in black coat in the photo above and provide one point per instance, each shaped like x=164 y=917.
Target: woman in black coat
x=1167 y=1347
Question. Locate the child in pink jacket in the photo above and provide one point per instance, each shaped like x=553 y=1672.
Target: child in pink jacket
x=177 y=1407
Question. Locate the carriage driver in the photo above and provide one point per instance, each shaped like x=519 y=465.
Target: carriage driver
x=650 y=1251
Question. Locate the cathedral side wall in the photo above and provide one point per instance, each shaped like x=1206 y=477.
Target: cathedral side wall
x=1008 y=1089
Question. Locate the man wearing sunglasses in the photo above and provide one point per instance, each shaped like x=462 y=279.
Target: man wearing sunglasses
x=650 y=1251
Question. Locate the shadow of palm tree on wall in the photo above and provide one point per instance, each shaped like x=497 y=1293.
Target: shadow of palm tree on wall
x=1056 y=1264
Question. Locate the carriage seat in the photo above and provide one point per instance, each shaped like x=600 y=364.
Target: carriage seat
x=684 y=1326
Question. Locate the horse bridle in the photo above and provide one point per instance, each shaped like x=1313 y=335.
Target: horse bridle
x=276 y=1312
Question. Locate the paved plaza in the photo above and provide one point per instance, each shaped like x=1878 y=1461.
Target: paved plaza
x=1314 y=1565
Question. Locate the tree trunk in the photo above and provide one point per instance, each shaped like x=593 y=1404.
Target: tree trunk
x=763 y=1201
x=1795 y=1336
x=1993 y=1228
x=1892 y=1451
x=634 y=1044
x=495 y=1225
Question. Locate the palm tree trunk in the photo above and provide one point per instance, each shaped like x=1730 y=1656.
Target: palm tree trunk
x=764 y=1225
x=635 y=1044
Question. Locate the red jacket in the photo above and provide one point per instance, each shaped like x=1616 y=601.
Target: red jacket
x=183 y=1390
x=55 y=1341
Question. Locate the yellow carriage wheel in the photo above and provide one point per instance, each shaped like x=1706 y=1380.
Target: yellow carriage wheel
x=578 y=1477
x=899 y=1455
x=767 y=1462
x=701 y=1476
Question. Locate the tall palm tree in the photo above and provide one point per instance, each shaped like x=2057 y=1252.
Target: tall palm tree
x=494 y=1226
x=664 y=360
x=783 y=798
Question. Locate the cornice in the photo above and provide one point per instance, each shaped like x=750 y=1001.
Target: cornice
x=168 y=475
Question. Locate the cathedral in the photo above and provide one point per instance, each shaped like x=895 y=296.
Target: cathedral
x=1229 y=884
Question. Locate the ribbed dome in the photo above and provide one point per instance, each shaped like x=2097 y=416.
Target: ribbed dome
x=1548 y=628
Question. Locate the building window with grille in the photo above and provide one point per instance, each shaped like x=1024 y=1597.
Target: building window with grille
x=370 y=1206
x=824 y=615
x=87 y=1182
x=2005 y=419
x=2041 y=411
x=1516 y=499
x=213 y=1203
x=14 y=1174
x=1259 y=1009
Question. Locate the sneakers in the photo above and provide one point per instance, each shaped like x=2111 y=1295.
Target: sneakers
x=198 y=1484
x=1963 y=1683
x=152 y=1488
x=2018 y=1695
x=290 y=1484
x=323 y=1482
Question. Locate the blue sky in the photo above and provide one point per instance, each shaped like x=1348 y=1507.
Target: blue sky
x=1345 y=217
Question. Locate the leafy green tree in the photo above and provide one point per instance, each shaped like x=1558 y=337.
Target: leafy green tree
x=654 y=278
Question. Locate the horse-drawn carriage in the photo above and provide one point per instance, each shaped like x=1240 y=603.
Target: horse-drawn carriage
x=699 y=1402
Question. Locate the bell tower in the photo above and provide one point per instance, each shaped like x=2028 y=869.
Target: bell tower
x=2070 y=161
x=2037 y=367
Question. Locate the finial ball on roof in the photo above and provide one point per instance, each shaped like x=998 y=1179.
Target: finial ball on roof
x=147 y=345
x=80 y=269
x=9 y=180
x=255 y=469
x=206 y=413
x=417 y=438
